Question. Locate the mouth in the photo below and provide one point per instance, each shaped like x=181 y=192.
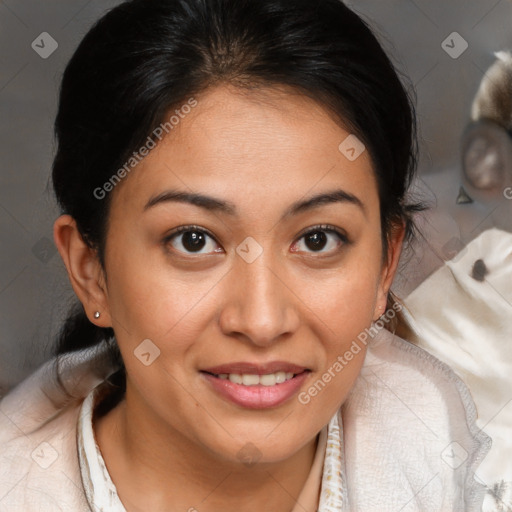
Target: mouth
x=252 y=379
x=256 y=386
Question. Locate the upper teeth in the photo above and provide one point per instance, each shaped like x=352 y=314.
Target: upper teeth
x=249 y=379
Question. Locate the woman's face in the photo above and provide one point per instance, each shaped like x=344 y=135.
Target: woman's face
x=246 y=291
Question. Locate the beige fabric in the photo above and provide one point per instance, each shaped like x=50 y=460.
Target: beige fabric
x=467 y=323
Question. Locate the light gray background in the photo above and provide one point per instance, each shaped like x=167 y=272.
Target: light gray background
x=34 y=291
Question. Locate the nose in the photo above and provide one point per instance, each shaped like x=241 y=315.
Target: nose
x=260 y=308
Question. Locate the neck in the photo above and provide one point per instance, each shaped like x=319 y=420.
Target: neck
x=153 y=465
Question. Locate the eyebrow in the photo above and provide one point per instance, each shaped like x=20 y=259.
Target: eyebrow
x=218 y=205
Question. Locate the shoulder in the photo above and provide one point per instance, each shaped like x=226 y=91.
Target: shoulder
x=38 y=463
x=409 y=426
x=39 y=468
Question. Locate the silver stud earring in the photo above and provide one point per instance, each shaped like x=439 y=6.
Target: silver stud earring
x=97 y=314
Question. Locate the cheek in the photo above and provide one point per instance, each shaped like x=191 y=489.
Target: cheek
x=345 y=300
x=149 y=299
x=348 y=314
x=344 y=306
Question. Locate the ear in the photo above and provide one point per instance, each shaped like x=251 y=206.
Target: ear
x=84 y=270
x=389 y=267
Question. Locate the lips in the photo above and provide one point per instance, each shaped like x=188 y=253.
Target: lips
x=256 y=386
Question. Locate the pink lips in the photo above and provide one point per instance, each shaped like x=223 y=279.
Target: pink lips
x=258 y=396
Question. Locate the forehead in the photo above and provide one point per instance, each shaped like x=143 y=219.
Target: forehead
x=248 y=146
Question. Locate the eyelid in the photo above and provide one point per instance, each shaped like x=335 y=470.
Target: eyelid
x=190 y=227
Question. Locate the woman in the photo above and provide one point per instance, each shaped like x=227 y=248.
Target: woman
x=232 y=177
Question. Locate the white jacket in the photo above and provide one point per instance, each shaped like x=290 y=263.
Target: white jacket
x=409 y=437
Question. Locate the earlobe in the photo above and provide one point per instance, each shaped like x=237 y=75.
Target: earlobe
x=84 y=270
x=389 y=268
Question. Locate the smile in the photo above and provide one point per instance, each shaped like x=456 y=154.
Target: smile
x=256 y=386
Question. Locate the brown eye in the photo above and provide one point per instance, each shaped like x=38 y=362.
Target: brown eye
x=316 y=241
x=319 y=238
x=191 y=240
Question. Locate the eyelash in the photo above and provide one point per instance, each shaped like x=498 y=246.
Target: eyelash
x=328 y=228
